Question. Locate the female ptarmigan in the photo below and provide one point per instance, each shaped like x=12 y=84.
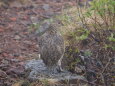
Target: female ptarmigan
x=51 y=45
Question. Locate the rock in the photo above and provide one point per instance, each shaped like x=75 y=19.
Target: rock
x=16 y=54
x=79 y=69
x=49 y=14
x=2 y=74
x=38 y=71
x=17 y=37
x=27 y=42
x=46 y=7
x=35 y=65
x=34 y=20
x=5 y=62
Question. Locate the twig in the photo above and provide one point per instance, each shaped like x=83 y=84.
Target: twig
x=104 y=82
x=106 y=66
x=103 y=79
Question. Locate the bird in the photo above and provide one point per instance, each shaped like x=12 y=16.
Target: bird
x=52 y=48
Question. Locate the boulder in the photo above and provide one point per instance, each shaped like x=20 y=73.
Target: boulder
x=38 y=71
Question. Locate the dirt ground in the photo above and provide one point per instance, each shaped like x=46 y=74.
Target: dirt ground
x=17 y=42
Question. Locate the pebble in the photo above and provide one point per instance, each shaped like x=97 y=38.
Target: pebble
x=46 y=7
x=17 y=37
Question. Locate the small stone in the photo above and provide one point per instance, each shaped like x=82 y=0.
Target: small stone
x=49 y=13
x=35 y=65
x=16 y=54
x=34 y=20
x=14 y=60
x=46 y=7
x=2 y=74
x=28 y=42
x=37 y=45
x=17 y=37
x=5 y=62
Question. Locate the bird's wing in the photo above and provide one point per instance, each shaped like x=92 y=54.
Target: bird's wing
x=59 y=41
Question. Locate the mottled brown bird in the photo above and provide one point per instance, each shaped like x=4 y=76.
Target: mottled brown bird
x=51 y=46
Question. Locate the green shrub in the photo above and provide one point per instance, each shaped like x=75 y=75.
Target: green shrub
x=94 y=27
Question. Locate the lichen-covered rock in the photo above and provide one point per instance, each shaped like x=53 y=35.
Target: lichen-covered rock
x=35 y=67
x=38 y=71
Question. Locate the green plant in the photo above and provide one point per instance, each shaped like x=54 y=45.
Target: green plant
x=103 y=12
x=87 y=53
x=34 y=26
x=112 y=37
x=84 y=35
x=97 y=25
x=44 y=82
x=99 y=19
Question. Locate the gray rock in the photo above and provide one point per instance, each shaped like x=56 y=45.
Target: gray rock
x=34 y=20
x=49 y=14
x=39 y=72
x=35 y=65
x=17 y=37
x=46 y=7
x=27 y=42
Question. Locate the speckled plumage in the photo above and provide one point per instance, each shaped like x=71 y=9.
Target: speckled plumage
x=51 y=45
